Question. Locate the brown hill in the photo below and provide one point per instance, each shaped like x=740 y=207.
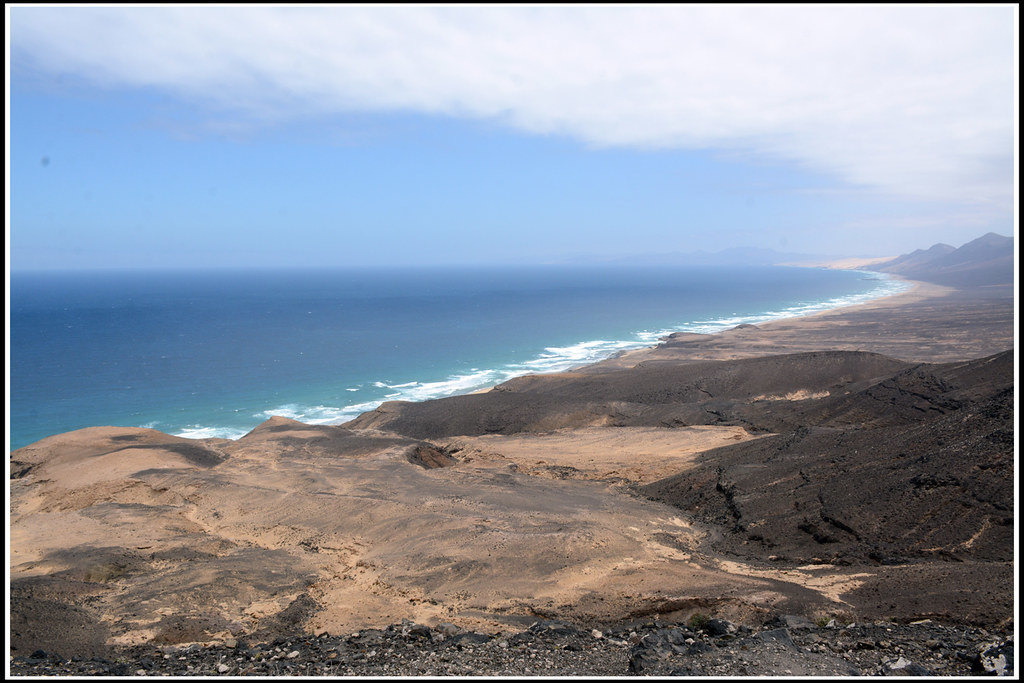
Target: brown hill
x=117 y=538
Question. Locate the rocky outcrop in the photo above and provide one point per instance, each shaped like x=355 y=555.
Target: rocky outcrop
x=919 y=465
x=429 y=457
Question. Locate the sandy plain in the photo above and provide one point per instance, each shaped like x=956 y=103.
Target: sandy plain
x=124 y=536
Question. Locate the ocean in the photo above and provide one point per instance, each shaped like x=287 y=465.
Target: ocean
x=215 y=353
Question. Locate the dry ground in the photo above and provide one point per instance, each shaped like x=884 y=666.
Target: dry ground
x=123 y=536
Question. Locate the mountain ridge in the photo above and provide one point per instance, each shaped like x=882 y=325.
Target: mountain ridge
x=987 y=260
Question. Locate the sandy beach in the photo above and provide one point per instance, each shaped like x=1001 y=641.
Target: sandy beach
x=927 y=323
x=422 y=341
x=548 y=496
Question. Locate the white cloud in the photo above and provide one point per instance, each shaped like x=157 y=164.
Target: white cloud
x=915 y=101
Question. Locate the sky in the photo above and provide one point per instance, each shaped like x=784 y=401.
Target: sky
x=344 y=135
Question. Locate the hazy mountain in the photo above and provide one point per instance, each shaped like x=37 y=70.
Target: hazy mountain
x=987 y=260
x=917 y=258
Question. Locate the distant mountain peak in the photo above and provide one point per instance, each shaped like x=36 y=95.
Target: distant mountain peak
x=993 y=239
x=987 y=260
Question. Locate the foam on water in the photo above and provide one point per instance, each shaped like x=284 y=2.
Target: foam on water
x=560 y=358
x=886 y=287
x=201 y=432
x=175 y=380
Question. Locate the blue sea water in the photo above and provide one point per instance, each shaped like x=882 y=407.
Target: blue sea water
x=202 y=354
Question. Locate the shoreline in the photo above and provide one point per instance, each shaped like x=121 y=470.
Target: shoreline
x=932 y=313
x=919 y=290
x=495 y=360
x=445 y=511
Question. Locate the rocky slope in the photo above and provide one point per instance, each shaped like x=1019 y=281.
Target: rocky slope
x=669 y=395
x=918 y=465
x=744 y=477
x=785 y=646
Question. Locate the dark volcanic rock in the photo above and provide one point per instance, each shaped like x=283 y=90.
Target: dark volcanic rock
x=289 y=620
x=917 y=466
x=43 y=617
x=716 y=392
x=558 y=649
x=429 y=457
x=995 y=659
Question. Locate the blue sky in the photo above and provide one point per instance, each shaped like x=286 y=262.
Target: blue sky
x=322 y=136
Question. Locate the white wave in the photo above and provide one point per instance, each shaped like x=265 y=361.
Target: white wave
x=318 y=414
x=410 y=391
x=551 y=359
x=886 y=287
x=201 y=432
x=291 y=411
x=385 y=385
x=357 y=409
x=454 y=384
x=559 y=358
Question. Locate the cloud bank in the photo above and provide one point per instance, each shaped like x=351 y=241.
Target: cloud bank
x=916 y=102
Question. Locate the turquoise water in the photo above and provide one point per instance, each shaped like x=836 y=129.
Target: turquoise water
x=215 y=353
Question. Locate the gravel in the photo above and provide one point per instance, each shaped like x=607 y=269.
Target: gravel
x=786 y=646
